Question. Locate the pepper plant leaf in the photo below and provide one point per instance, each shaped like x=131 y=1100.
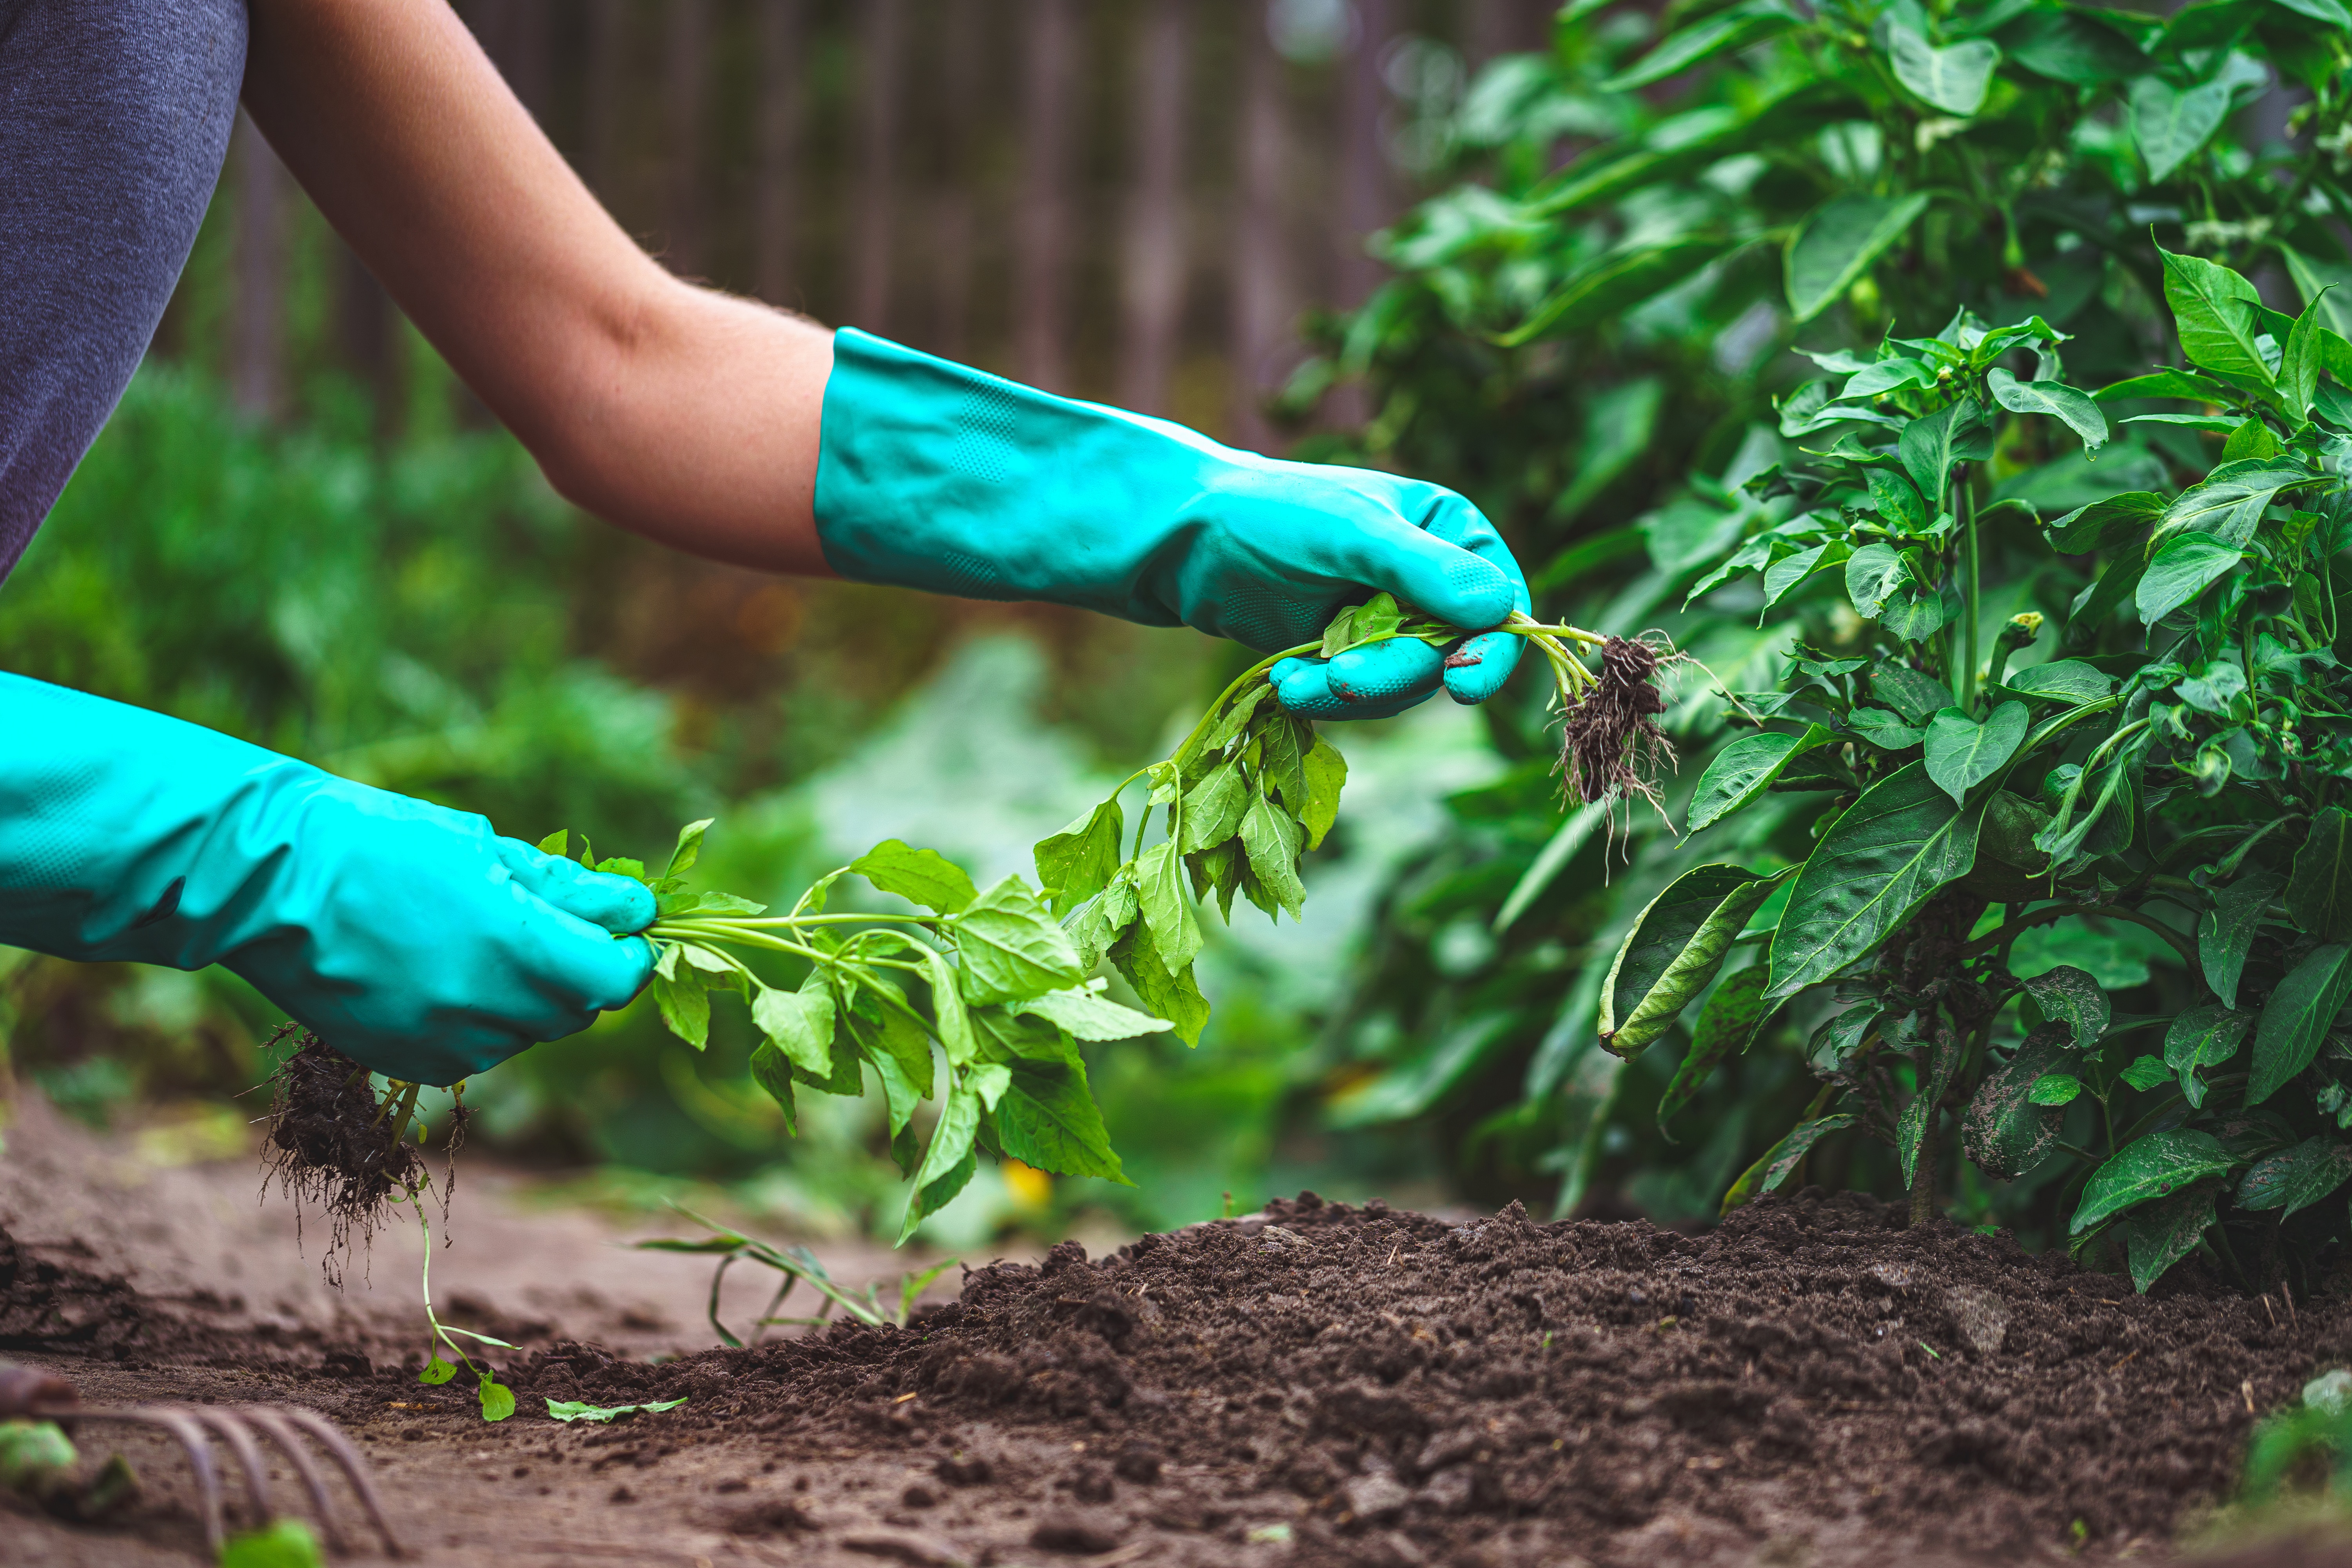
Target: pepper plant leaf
x=2155 y=1166
x=1674 y=951
x=2295 y=1019
x=1745 y=768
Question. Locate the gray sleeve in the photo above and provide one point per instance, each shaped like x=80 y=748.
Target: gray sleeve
x=114 y=120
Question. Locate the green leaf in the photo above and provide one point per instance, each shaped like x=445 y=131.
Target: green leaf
x=1175 y=931
x=2068 y=681
x=1780 y=1161
x=1962 y=754
x=1048 y=1119
x=1281 y=770
x=773 y=1071
x=1745 y=768
x=899 y=1049
x=2183 y=569
x=2070 y=47
x=2170 y=124
x=2319 y=895
x=1788 y=574
x=2011 y=1122
x=1837 y=242
x=1212 y=810
x=2229 y=502
x=1094 y=925
x=1674 y=951
x=2227 y=930
x=2214 y=309
x=948 y=1162
x=1089 y=1015
x=2328 y=285
x=688 y=850
x=2296 y=1178
x=2055 y=1089
x=2298 y=375
x=1272 y=841
x=1915 y=613
x=2180 y=383
x=1326 y=772
x=437 y=1371
x=1953 y=79
x=1613 y=284
x=924 y=876
x=556 y=843
x=2146 y=1072
x=1725 y=1025
x=685 y=1007
x=1884 y=729
x=1012 y=949
x=575 y=1410
x=2202 y=1037
x=2155 y=1166
x=800 y=1022
x=498 y=1399
x=1370 y=621
x=1877 y=863
x=2296 y=1017
x=2054 y=398
x=1897 y=499
x=1917 y=696
x=949 y=1016
x=1931 y=446
x=1735 y=28
x=1873 y=575
x=1079 y=862
x=2161 y=1234
x=1170 y=994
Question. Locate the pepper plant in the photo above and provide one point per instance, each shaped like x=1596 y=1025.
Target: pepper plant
x=2159 y=737
x=1588 y=330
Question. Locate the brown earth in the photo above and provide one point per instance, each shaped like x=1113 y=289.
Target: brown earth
x=1810 y=1383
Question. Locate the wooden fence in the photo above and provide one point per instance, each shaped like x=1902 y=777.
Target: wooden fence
x=1125 y=199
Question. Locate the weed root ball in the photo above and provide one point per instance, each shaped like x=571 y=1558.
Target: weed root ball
x=332 y=1142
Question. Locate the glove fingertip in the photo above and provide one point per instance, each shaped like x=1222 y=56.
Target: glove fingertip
x=1477 y=670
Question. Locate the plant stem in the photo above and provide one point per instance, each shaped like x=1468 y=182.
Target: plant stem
x=1971 y=591
x=1923 y=1180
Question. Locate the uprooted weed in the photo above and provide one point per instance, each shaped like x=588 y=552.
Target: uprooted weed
x=1612 y=747
x=332 y=1142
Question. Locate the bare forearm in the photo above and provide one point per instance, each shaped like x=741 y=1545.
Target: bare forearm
x=670 y=411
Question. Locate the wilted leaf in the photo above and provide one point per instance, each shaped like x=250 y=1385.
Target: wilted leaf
x=2163 y=1232
x=2202 y=1037
x=1725 y=1025
x=1778 y=1161
x=1172 y=995
x=1674 y=951
x=2067 y=995
x=575 y=1410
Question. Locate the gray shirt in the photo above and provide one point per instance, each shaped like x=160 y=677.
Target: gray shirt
x=115 y=119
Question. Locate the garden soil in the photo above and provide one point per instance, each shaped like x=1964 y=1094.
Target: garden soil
x=1810 y=1384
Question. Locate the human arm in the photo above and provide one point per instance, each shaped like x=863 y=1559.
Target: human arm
x=730 y=430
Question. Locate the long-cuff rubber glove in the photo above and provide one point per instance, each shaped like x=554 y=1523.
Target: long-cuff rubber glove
x=409 y=937
x=934 y=476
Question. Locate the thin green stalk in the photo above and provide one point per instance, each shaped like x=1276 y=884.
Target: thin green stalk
x=1971 y=592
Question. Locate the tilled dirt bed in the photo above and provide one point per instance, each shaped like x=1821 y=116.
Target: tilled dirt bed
x=1810 y=1384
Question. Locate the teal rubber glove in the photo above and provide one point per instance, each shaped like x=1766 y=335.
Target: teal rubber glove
x=930 y=475
x=409 y=937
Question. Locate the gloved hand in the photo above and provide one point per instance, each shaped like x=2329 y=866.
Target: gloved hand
x=933 y=476
x=407 y=936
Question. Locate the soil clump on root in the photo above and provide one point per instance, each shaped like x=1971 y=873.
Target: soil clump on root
x=1611 y=745
x=1812 y=1378
x=332 y=1142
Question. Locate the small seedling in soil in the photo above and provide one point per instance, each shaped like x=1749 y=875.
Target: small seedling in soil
x=797 y=1265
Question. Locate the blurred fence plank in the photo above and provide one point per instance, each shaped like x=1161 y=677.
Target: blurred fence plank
x=783 y=127
x=1261 y=284
x=1042 y=221
x=685 y=192
x=882 y=45
x=1154 y=265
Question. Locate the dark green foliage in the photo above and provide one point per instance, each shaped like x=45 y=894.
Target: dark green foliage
x=2027 y=586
